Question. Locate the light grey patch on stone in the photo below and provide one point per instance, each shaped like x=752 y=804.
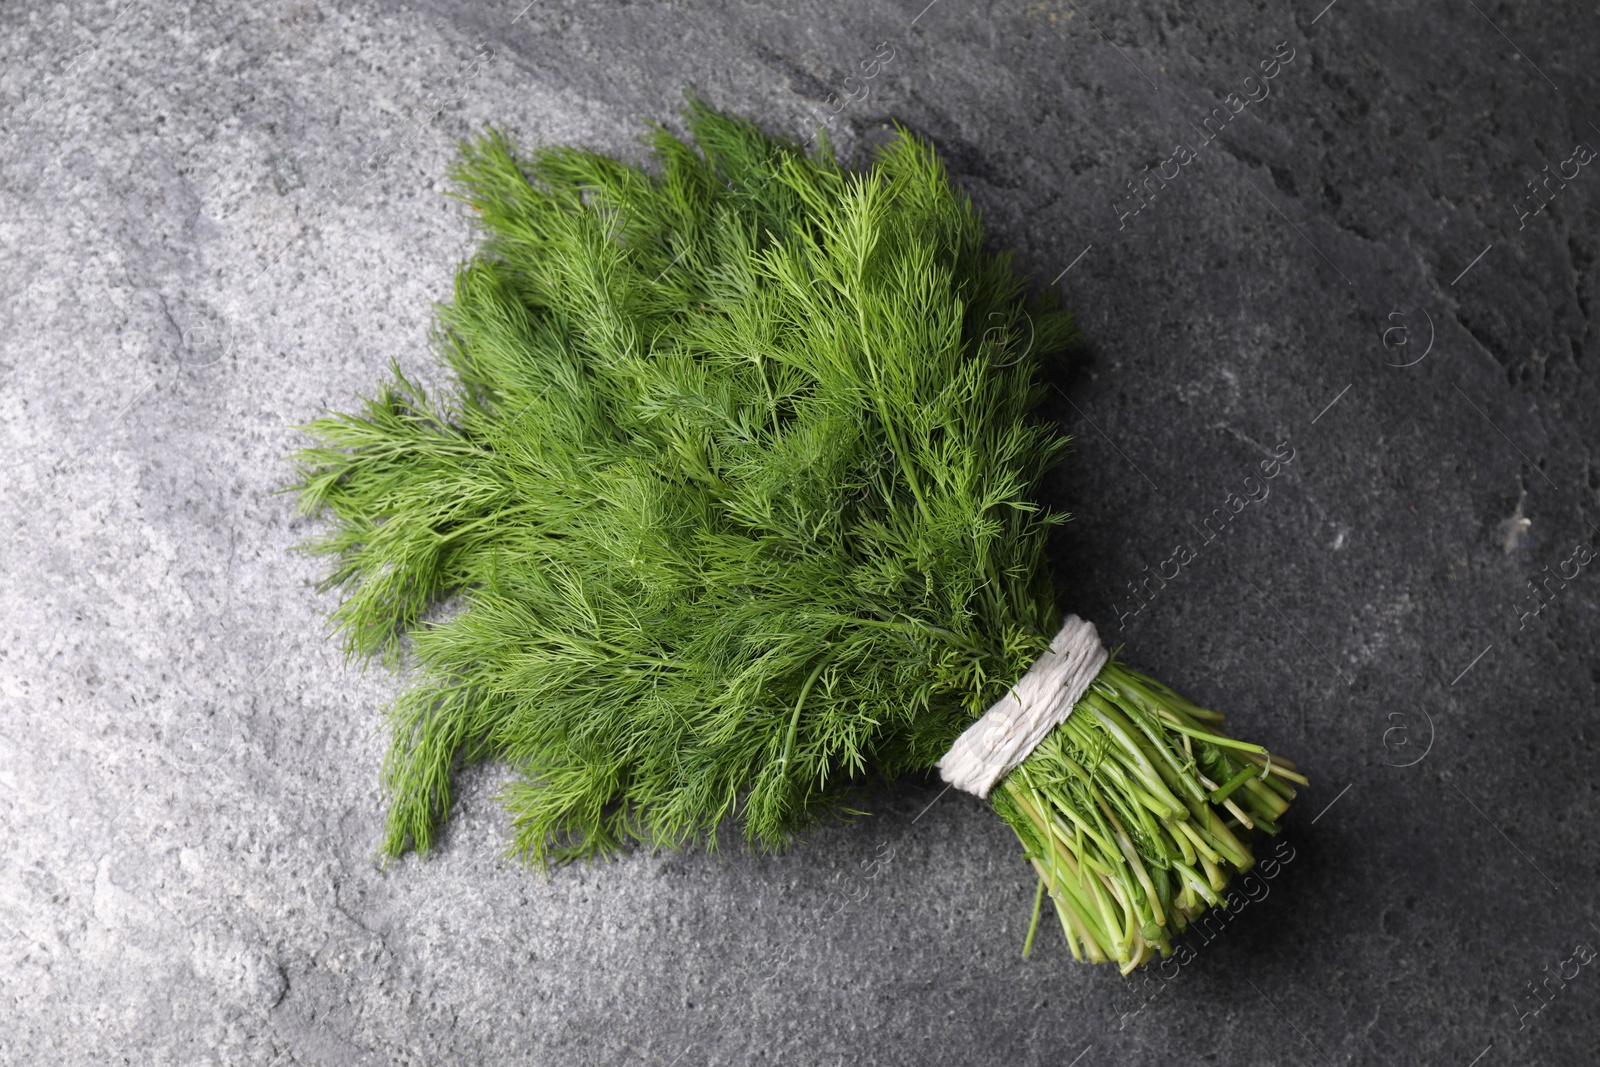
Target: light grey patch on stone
x=286 y=174
x=243 y=971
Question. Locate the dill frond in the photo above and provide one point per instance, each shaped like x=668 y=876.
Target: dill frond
x=735 y=487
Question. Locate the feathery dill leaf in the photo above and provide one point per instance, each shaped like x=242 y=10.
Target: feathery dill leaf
x=734 y=485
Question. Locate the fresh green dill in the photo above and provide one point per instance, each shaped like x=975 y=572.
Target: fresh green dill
x=733 y=486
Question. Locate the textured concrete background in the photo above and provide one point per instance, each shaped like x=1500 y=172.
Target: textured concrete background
x=219 y=219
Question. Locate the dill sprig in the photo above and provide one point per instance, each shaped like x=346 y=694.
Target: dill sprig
x=733 y=489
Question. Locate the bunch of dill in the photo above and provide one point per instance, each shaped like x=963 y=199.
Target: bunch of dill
x=733 y=488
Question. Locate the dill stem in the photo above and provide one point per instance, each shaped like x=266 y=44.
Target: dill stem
x=1216 y=739
x=1281 y=768
x=1125 y=829
x=1239 y=814
x=794 y=722
x=1033 y=924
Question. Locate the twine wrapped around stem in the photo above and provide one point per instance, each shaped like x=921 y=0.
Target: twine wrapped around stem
x=1039 y=702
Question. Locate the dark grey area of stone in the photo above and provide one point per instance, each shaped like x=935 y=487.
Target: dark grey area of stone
x=219 y=220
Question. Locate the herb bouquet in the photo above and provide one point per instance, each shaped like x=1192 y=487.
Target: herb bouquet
x=732 y=490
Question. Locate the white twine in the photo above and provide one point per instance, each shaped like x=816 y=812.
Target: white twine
x=1039 y=702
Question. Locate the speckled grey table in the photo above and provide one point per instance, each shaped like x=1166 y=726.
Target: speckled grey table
x=1359 y=235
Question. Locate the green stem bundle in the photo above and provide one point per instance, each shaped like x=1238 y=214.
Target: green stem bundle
x=1132 y=812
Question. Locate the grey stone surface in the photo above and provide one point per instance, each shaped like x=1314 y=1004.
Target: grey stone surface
x=219 y=219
